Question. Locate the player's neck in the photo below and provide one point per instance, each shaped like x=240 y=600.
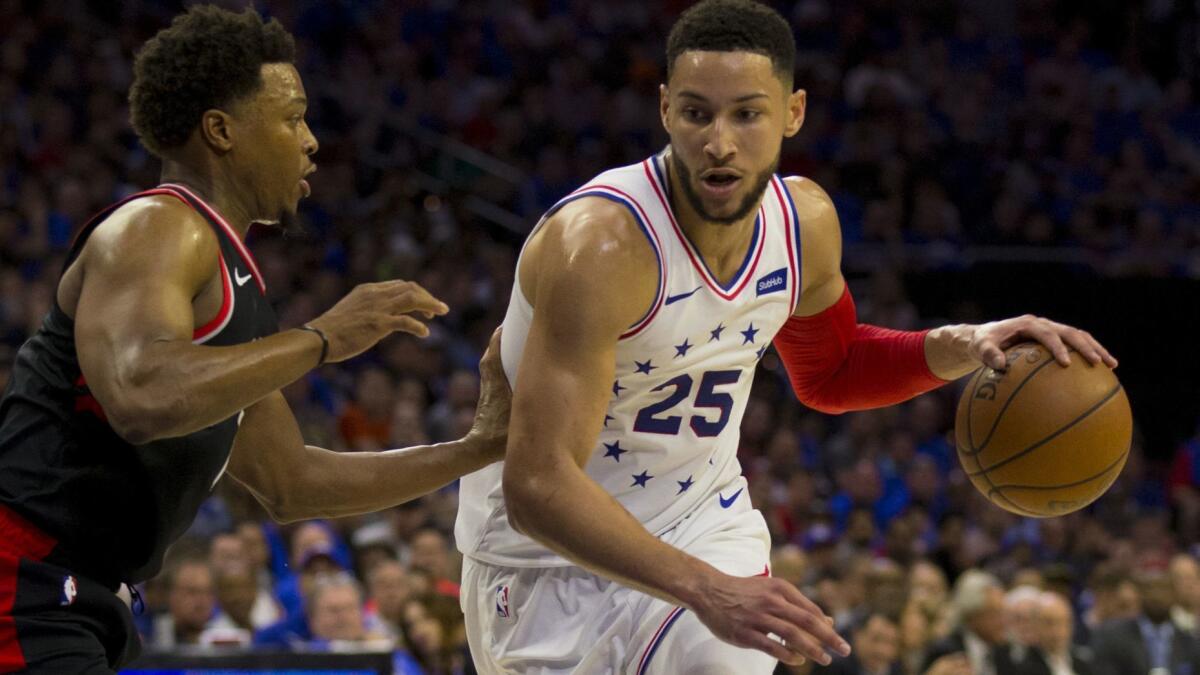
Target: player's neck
x=721 y=244
x=216 y=189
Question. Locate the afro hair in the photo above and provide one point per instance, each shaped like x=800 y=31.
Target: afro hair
x=208 y=58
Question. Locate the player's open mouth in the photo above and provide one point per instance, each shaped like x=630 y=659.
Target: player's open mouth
x=305 y=188
x=720 y=184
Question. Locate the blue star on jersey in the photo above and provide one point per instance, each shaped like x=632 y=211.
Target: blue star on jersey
x=749 y=334
x=716 y=332
x=759 y=354
x=614 y=450
x=607 y=417
x=682 y=350
x=684 y=485
x=645 y=367
x=617 y=388
x=641 y=479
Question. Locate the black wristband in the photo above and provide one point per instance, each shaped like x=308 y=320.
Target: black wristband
x=324 y=342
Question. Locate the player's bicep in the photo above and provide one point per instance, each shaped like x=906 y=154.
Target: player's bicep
x=590 y=287
x=138 y=281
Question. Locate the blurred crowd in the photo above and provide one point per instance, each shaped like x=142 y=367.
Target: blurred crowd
x=936 y=124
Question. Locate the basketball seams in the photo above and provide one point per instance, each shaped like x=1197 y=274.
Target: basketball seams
x=1003 y=408
x=1017 y=455
x=1116 y=463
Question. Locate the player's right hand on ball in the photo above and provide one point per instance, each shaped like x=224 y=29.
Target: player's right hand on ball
x=372 y=312
x=749 y=611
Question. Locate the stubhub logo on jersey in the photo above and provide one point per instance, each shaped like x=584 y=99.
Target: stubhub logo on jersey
x=775 y=281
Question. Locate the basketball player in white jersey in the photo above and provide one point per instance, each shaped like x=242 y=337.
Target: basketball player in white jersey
x=618 y=535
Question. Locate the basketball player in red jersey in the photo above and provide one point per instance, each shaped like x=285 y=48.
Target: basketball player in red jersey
x=159 y=367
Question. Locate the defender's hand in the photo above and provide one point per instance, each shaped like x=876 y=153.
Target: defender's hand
x=372 y=312
x=495 y=402
x=745 y=611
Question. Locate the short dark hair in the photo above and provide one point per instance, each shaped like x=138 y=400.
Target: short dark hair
x=208 y=58
x=734 y=26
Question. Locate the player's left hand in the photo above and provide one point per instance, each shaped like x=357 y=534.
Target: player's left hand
x=988 y=341
x=490 y=428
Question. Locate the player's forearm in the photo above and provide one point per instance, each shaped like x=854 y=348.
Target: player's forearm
x=573 y=516
x=338 y=484
x=171 y=389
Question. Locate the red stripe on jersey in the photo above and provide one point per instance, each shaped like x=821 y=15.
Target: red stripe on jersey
x=687 y=245
x=18 y=539
x=122 y=202
x=229 y=231
x=787 y=226
x=206 y=331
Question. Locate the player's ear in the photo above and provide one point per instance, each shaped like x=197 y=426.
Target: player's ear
x=795 y=112
x=664 y=105
x=216 y=130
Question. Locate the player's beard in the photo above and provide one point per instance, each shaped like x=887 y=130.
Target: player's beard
x=749 y=202
x=290 y=225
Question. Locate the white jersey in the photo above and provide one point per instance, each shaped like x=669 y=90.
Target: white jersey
x=683 y=372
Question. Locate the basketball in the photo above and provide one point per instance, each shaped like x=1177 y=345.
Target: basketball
x=1041 y=440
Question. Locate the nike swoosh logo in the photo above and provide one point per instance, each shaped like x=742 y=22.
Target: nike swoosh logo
x=681 y=296
x=241 y=280
x=726 y=503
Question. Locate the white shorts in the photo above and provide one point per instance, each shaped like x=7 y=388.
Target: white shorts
x=558 y=620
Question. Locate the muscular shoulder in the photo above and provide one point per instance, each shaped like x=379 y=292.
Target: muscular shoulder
x=596 y=248
x=820 y=245
x=156 y=233
x=818 y=217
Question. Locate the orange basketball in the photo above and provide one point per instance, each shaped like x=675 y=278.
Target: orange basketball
x=1039 y=439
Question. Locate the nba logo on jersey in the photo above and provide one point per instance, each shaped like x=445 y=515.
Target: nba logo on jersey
x=69 y=591
x=502 y=602
x=770 y=283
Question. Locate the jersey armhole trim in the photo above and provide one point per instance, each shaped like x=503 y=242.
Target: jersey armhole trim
x=791 y=221
x=618 y=196
x=224 y=225
x=217 y=323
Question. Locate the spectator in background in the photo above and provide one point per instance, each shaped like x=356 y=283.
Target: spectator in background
x=267 y=609
x=917 y=631
x=236 y=591
x=1183 y=487
x=365 y=424
x=313 y=563
x=335 y=610
x=227 y=551
x=191 y=600
x=876 y=649
x=1056 y=623
x=1150 y=642
x=978 y=609
x=431 y=554
x=390 y=590
x=1022 y=616
x=1185 y=584
x=929 y=589
x=462 y=390
x=1114 y=596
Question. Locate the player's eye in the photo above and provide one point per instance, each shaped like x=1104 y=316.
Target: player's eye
x=694 y=115
x=748 y=115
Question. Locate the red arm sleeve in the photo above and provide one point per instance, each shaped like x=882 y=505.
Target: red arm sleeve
x=837 y=365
